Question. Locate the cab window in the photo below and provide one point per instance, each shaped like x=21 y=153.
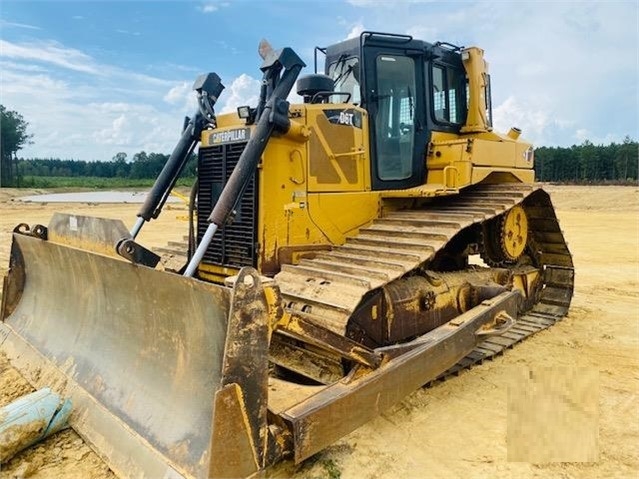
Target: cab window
x=344 y=73
x=449 y=92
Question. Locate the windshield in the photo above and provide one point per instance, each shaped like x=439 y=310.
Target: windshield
x=343 y=72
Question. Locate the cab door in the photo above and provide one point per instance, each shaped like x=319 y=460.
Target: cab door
x=395 y=100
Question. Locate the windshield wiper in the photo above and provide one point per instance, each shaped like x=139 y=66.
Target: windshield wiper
x=343 y=75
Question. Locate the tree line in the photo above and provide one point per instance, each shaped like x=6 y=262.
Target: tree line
x=585 y=163
x=588 y=163
x=16 y=171
x=141 y=166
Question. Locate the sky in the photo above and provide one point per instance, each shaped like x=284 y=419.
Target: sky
x=96 y=78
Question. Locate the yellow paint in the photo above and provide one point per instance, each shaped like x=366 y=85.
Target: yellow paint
x=293 y=211
x=227 y=120
x=340 y=215
x=456 y=161
x=216 y=274
x=314 y=182
x=179 y=195
x=337 y=150
x=477 y=72
x=525 y=281
x=515 y=234
x=275 y=312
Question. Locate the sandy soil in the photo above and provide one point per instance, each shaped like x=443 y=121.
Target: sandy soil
x=459 y=428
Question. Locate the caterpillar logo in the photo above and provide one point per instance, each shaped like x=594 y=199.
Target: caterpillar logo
x=229 y=136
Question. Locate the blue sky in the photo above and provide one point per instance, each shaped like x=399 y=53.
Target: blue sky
x=97 y=78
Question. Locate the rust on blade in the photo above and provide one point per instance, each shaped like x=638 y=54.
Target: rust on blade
x=87 y=233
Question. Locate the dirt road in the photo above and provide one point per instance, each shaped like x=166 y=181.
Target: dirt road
x=459 y=428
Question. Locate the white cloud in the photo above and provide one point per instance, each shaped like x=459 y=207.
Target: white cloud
x=561 y=72
x=132 y=127
x=182 y=95
x=5 y=24
x=126 y=32
x=212 y=6
x=423 y=32
x=532 y=120
x=556 y=68
x=17 y=83
x=209 y=8
x=582 y=134
x=356 y=31
x=533 y=70
x=21 y=66
x=110 y=107
x=294 y=98
x=569 y=84
x=50 y=52
x=118 y=133
x=72 y=116
x=177 y=94
x=127 y=76
x=243 y=90
x=55 y=54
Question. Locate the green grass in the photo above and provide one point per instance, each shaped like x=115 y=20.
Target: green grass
x=91 y=182
x=331 y=468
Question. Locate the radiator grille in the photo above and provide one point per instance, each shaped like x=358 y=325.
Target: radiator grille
x=234 y=244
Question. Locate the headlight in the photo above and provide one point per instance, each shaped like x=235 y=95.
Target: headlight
x=243 y=112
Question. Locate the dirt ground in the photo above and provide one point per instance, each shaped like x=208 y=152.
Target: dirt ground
x=459 y=428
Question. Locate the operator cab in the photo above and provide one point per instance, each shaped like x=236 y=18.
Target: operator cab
x=410 y=88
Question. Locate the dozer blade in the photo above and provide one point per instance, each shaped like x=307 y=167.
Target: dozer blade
x=139 y=352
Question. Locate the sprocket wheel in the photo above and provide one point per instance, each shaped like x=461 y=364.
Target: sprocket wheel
x=504 y=238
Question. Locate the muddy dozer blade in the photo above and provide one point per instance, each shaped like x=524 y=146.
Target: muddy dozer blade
x=139 y=351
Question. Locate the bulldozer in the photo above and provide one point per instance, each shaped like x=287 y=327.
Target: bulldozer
x=342 y=252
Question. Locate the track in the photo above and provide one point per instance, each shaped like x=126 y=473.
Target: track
x=328 y=288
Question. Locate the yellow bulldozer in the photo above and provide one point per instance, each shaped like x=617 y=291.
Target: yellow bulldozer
x=342 y=252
